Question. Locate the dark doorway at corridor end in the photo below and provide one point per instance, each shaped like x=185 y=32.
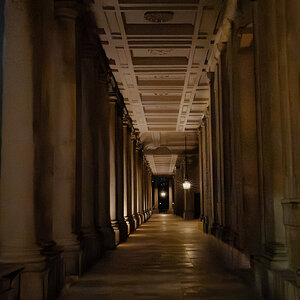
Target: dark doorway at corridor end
x=163 y=194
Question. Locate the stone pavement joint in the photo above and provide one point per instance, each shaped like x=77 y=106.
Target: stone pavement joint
x=166 y=258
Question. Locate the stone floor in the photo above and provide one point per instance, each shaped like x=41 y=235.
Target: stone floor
x=166 y=258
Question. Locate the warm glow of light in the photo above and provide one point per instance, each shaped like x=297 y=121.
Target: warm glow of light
x=186 y=185
x=163 y=194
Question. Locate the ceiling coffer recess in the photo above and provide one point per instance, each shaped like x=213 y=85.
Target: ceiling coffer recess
x=158 y=16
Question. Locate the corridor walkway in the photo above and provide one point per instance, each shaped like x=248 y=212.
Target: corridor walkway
x=166 y=258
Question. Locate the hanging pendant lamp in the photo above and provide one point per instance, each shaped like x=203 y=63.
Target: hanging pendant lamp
x=186 y=183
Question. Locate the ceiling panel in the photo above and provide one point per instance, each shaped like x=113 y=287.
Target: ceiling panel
x=158 y=50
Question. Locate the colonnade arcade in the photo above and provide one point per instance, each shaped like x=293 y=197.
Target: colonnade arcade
x=74 y=179
x=81 y=149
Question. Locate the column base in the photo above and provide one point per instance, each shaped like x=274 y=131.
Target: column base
x=291 y=220
x=72 y=257
x=132 y=223
x=32 y=267
x=146 y=215
x=10 y=277
x=274 y=283
x=34 y=283
x=136 y=220
x=56 y=272
x=115 y=227
x=275 y=256
x=128 y=225
x=107 y=235
x=91 y=245
x=188 y=215
x=142 y=218
x=170 y=211
x=122 y=230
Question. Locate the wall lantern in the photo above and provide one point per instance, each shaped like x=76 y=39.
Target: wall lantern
x=186 y=183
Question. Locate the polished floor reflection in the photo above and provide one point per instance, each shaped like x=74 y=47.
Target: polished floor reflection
x=166 y=258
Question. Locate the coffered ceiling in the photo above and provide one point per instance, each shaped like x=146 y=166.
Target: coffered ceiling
x=159 y=53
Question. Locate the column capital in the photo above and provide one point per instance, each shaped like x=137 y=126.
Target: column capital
x=202 y=124
x=132 y=134
x=206 y=117
x=139 y=145
x=68 y=9
x=112 y=95
x=125 y=118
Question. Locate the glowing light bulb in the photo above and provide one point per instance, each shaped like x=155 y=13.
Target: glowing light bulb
x=163 y=194
x=186 y=185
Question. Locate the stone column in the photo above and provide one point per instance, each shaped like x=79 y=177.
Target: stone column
x=200 y=149
x=119 y=173
x=17 y=216
x=289 y=43
x=89 y=238
x=103 y=164
x=147 y=175
x=144 y=190
x=137 y=184
x=171 y=210
x=134 y=179
x=141 y=186
x=148 y=183
x=65 y=135
x=271 y=137
x=126 y=173
x=207 y=219
x=150 y=205
x=131 y=181
x=211 y=206
x=156 y=210
x=214 y=153
x=112 y=166
x=204 y=175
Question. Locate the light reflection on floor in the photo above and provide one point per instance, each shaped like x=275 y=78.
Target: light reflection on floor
x=166 y=258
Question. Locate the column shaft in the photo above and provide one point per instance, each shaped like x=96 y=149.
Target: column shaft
x=133 y=180
x=120 y=173
x=17 y=207
x=171 y=210
x=156 y=210
x=113 y=171
x=17 y=170
x=130 y=186
x=65 y=136
x=87 y=152
x=270 y=144
x=126 y=176
x=103 y=164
